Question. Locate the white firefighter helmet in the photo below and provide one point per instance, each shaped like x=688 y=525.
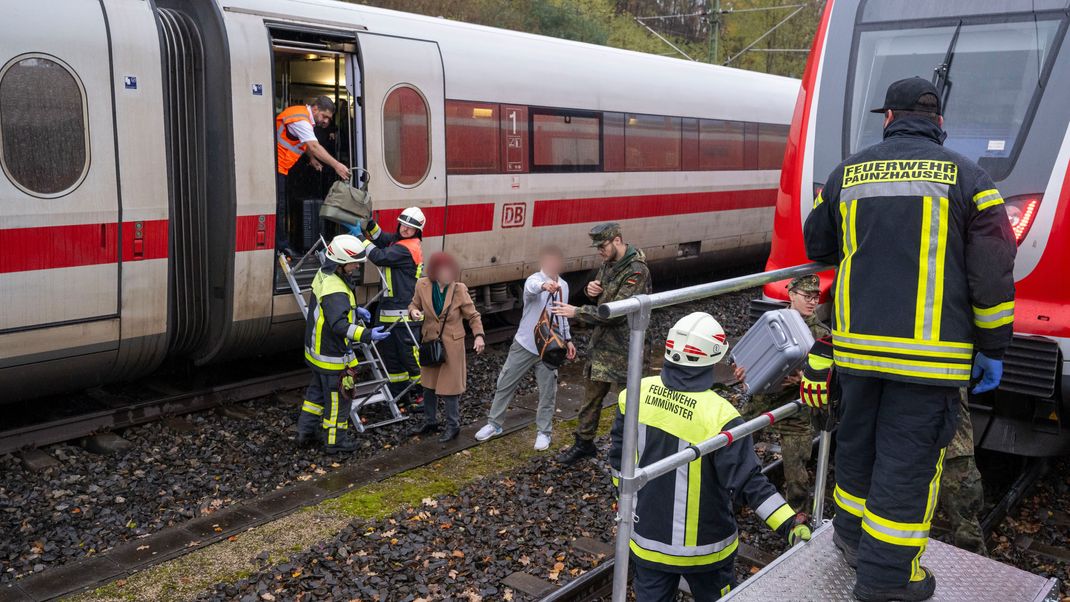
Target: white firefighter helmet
x=696 y=340
x=413 y=218
x=346 y=248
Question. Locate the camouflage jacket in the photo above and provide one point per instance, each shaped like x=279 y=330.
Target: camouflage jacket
x=607 y=352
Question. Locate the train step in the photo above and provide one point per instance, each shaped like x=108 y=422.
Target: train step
x=816 y=571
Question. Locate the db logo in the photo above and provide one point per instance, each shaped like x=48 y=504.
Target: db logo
x=513 y=215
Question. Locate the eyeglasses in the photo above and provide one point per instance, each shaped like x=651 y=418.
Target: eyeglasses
x=809 y=297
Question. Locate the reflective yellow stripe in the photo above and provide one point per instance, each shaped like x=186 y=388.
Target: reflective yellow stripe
x=852 y=504
x=398 y=377
x=673 y=560
x=923 y=268
x=782 y=514
x=419 y=271
x=848 y=214
x=941 y=255
x=312 y=408
x=818 y=200
x=694 y=487
x=903 y=351
x=375 y=231
x=928 y=307
x=994 y=317
x=987 y=198
x=934 y=345
x=330 y=363
x=388 y=276
x=903 y=367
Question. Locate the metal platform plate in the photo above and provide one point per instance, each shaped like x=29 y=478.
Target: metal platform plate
x=817 y=572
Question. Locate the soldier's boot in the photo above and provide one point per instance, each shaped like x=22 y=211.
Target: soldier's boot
x=582 y=448
x=915 y=591
x=961 y=498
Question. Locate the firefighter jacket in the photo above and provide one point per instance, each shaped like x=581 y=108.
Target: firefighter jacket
x=402 y=261
x=925 y=259
x=330 y=327
x=607 y=351
x=685 y=520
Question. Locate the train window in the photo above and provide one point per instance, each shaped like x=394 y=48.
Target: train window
x=772 y=138
x=43 y=133
x=720 y=145
x=690 y=144
x=406 y=135
x=652 y=143
x=566 y=141
x=472 y=138
x=613 y=141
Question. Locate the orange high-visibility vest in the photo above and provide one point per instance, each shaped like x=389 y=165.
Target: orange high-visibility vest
x=288 y=148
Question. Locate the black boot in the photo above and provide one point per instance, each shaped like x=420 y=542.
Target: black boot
x=915 y=591
x=425 y=428
x=343 y=443
x=849 y=554
x=582 y=448
x=449 y=435
x=308 y=438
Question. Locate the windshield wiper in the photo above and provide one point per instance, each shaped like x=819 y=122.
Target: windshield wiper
x=942 y=72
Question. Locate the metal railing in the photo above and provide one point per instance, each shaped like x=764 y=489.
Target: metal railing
x=632 y=478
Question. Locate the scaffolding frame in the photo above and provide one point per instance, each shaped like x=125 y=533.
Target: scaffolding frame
x=632 y=478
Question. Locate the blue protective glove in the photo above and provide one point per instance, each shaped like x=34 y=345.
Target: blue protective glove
x=364 y=315
x=379 y=333
x=989 y=370
x=355 y=229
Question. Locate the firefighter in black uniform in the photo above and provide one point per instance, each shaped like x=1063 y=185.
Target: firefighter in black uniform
x=924 y=297
x=330 y=328
x=685 y=522
x=401 y=258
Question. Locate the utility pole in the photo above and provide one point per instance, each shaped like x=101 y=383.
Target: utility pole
x=715 y=30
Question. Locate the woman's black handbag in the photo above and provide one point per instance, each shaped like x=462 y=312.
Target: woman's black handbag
x=433 y=352
x=552 y=346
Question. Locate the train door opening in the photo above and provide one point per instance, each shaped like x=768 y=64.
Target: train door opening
x=307 y=68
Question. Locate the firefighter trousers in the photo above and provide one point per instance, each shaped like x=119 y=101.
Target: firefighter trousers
x=656 y=585
x=889 y=457
x=400 y=355
x=324 y=408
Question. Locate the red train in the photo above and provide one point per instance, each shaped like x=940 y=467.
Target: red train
x=1006 y=110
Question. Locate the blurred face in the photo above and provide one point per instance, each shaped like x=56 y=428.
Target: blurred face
x=407 y=231
x=446 y=275
x=321 y=117
x=804 y=302
x=550 y=264
x=350 y=268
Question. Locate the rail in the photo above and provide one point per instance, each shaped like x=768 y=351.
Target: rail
x=637 y=309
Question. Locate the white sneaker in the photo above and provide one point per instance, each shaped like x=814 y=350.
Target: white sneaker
x=542 y=442
x=487 y=432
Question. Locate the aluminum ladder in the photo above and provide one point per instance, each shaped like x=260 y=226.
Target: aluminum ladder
x=367 y=393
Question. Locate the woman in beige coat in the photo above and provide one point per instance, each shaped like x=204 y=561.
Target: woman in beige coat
x=444 y=305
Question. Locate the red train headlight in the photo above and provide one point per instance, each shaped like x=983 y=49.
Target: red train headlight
x=1021 y=211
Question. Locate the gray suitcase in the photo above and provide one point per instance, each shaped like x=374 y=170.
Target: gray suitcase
x=773 y=348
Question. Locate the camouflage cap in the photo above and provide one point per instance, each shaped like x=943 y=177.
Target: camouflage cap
x=806 y=284
x=604 y=233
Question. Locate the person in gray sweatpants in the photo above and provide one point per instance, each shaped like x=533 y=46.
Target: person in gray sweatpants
x=523 y=355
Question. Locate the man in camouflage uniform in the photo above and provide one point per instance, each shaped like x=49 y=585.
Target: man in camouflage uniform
x=796 y=434
x=623 y=274
x=961 y=494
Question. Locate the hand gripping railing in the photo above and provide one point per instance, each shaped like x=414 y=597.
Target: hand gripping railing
x=632 y=479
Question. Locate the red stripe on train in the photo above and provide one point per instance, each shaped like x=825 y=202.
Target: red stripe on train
x=455 y=219
x=580 y=211
x=254 y=232
x=56 y=247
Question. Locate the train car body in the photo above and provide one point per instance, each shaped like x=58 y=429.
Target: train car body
x=1005 y=109
x=137 y=202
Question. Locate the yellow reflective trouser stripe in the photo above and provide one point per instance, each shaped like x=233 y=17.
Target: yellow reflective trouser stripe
x=908 y=534
x=903 y=367
x=725 y=590
x=933 y=248
x=994 y=317
x=848 y=213
x=694 y=486
x=330 y=421
x=675 y=560
x=312 y=408
x=852 y=504
x=987 y=198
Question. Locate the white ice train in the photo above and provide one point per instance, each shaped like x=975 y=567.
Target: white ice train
x=137 y=201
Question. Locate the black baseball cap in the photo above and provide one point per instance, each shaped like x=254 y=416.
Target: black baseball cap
x=903 y=95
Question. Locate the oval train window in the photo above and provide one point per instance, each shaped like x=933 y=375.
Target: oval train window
x=406 y=135
x=43 y=135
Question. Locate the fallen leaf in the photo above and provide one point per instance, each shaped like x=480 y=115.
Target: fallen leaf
x=458 y=554
x=452 y=574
